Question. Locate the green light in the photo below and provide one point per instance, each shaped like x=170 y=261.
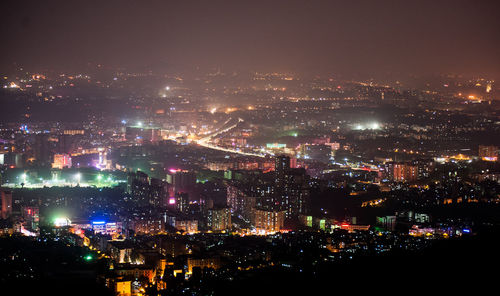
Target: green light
x=88 y=257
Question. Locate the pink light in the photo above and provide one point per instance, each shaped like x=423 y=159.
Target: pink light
x=173 y=171
x=171 y=201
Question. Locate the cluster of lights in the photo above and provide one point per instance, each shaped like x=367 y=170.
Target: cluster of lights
x=61 y=221
x=369 y=126
x=78 y=177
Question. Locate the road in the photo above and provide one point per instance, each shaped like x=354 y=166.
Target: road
x=204 y=141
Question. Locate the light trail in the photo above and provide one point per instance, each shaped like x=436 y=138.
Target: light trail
x=204 y=141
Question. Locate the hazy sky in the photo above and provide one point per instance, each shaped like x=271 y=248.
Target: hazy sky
x=347 y=37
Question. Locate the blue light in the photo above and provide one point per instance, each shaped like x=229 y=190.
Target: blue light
x=98 y=222
x=466 y=230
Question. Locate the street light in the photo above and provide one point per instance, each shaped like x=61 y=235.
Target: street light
x=78 y=177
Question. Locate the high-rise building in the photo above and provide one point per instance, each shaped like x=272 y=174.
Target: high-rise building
x=6 y=203
x=31 y=216
x=12 y=159
x=147 y=191
x=268 y=220
x=110 y=228
x=61 y=161
x=387 y=222
x=182 y=202
x=219 y=219
x=488 y=152
x=282 y=164
x=66 y=143
x=292 y=189
x=401 y=172
x=142 y=134
x=319 y=152
x=187 y=225
x=42 y=151
x=293 y=194
x=243 y=199
x=182 y=181
x=424 y=167
x=213 y=263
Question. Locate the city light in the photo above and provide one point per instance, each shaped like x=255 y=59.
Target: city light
x=367 y=126
x=61 y=222
x=24 y=176
x=251 y=147
x=78 y=177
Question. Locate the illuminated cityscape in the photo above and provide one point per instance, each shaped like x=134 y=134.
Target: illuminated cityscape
x=249 y=147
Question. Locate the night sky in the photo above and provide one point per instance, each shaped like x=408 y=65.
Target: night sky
x=346 y=37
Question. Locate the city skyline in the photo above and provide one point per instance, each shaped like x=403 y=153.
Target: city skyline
x=164 y=148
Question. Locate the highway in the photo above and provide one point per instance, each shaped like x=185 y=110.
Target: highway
x=204 y=141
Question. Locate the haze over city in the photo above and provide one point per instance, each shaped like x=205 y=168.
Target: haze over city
x=152 y=148
x=362 y=39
